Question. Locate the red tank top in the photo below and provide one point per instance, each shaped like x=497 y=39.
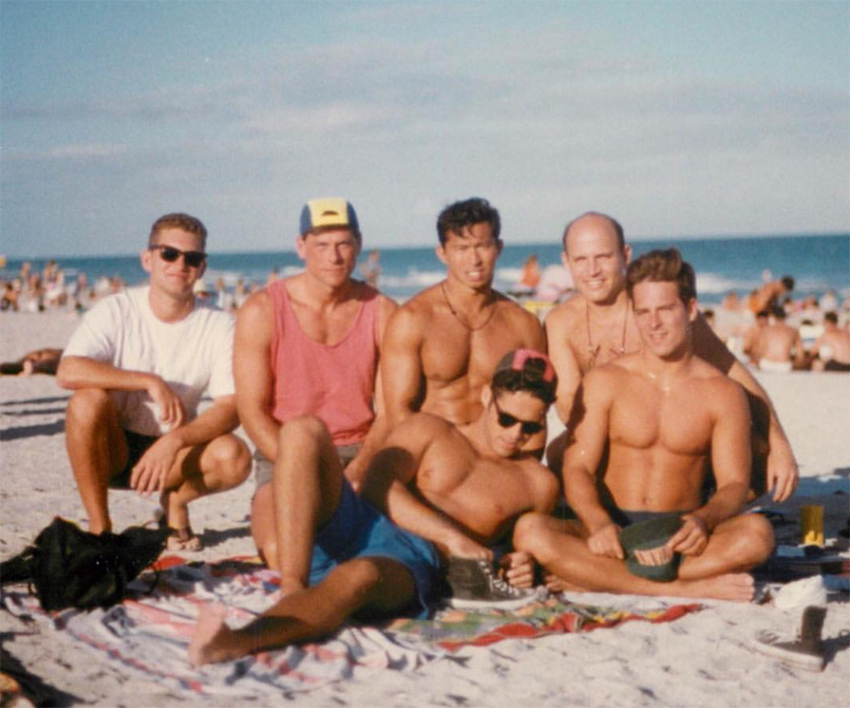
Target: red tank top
x=332 y=382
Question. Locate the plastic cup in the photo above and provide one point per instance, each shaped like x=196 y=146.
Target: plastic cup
x=811 y=524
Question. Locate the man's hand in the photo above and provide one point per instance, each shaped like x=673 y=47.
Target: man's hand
x=518 y=569
x=782 y=472
x=171 y=411
x=605 y=541
x=151 y=471
x=692 y=538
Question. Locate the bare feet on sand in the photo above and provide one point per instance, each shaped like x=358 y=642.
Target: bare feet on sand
x=738 y=587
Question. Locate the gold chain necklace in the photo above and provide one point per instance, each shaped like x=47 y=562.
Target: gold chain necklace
x=457 y=315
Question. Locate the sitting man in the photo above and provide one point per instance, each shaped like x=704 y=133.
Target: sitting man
x=831 y=351
x=309 y=346
x=138 y=365
x=443 y=344
x=779 y=347
x=468 y=485
x=597 y=326
x=654 y=420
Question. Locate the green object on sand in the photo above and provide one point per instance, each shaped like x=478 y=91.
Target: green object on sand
x=645 y=535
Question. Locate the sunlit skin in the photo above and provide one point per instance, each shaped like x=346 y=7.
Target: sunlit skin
x=663 y=320
x=595 y=259
x=650 y=423
x=596 y=327
x=171 y=283
x=470 y=258
x=443 y=344
x=329 y=256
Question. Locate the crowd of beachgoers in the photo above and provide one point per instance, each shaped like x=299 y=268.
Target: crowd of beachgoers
x=768 y=328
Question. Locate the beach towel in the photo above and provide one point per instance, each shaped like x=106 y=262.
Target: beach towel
x=148 y=633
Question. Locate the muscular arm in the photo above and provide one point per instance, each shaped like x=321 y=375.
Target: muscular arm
x=356 y=469
x=731 y=456
x=563 y=359
x=401 y=365
x=782 y=472
x=252 y=372
x=393 y=471
x=582 y=459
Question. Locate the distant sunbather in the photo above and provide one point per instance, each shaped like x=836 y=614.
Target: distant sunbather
x=40 y=361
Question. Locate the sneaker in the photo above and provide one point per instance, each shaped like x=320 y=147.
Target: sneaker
x=806 y=651
x=475 y=584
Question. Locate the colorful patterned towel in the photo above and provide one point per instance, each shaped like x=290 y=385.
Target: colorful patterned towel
x=149 y=632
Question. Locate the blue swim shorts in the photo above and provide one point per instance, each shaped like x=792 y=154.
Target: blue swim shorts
x=358 y=530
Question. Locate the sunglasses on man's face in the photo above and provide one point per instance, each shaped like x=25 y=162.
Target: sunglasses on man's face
x=506 y=420
x=193 y=259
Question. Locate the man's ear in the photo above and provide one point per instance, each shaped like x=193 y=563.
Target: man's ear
x=627 y=254
x=145 y=257
x=441 y=253
x=693 y=309
x=486 y=395
x=565 y=259
x=299 y=247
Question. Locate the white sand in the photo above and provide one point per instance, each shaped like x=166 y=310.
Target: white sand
x=704 y=659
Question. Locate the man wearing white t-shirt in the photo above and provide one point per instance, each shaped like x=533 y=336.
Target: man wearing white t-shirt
x=138 y=365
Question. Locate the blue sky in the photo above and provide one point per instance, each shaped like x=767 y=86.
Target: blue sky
x=679 y=118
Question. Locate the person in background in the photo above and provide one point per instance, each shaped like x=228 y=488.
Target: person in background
x=779 y=347
x=371 y=269
x=831 y=351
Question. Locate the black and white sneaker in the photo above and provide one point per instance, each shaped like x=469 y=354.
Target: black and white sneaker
x=475 y=584
x=807 y=651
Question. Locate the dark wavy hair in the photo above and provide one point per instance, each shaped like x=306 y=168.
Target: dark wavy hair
x=456 y=217
x=531 y=377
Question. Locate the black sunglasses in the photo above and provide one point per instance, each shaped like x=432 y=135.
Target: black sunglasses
x=193 y=259
x=506 y=420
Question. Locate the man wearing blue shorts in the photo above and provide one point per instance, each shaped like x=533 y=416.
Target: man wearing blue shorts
x=342 y=557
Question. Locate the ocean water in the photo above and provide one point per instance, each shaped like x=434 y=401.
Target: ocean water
x=816 y=262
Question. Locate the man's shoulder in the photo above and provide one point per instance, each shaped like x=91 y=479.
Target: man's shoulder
x=567 y=315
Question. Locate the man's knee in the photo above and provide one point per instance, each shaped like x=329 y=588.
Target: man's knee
x=232 y=459
x=531 y=533
x=89 y=406
x=301 y=428
x=758 y=540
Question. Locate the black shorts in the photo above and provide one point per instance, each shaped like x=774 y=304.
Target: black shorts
x=137 y=445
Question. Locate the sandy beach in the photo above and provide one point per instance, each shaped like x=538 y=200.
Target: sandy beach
x=703 y=659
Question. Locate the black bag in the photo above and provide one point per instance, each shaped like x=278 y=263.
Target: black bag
x=74 y=568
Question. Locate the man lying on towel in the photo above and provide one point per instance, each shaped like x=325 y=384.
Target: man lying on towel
x=458 y=487
x=654 y=420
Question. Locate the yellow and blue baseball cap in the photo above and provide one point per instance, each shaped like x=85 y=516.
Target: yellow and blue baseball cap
x=328 y=212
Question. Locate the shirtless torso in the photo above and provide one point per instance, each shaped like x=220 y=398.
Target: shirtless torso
x=647 y=426
x=596 y=327
x=438 y=364
x=779 y=343
x=462 y=487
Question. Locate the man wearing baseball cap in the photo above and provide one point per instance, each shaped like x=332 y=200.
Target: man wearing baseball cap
x=306 y=360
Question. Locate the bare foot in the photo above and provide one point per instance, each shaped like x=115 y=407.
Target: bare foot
x=211 y=638
x=739 y=587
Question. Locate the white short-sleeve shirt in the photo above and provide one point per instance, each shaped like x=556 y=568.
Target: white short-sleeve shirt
x=192 y=356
